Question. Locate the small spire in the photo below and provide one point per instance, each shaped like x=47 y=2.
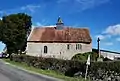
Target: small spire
x=59 y=21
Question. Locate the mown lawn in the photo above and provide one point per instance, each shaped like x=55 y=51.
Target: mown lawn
x=45 y=72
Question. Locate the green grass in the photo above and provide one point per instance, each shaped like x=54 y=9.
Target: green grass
x=45 y=72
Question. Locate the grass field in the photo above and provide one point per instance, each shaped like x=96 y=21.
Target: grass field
x=45 y=72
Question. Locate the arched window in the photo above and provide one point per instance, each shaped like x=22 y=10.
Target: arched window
x=68 y=46
x=45 y=49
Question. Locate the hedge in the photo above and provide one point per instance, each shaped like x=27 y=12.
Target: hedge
x=84 y=56
x=69 y=67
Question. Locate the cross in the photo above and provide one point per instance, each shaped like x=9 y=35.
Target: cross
x=98 y=40
x=98 y=46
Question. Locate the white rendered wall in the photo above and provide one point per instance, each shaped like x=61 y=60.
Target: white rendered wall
x=57 y=50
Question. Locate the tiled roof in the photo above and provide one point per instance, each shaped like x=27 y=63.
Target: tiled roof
x=67 y=34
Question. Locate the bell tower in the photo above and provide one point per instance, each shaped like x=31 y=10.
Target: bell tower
x=59 y=24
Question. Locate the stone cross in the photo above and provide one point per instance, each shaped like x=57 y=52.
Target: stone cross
x=98 y=46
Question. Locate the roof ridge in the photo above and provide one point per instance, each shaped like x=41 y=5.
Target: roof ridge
x=65 y=27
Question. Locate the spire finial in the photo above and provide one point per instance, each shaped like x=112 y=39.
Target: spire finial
x=59 y=21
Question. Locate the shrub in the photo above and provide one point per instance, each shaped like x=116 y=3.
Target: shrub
x=106 y=59
x=70 y=67
x=59 y=65
x=84 y=56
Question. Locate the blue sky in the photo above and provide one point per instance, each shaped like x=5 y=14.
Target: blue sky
x=102 y=17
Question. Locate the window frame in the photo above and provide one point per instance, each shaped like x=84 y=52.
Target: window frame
x=68 y=46
x=45 y=49
x=78 y=46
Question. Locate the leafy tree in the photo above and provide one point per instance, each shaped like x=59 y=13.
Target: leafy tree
x=15 y=29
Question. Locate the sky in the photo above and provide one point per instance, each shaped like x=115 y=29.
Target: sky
x=101 y=17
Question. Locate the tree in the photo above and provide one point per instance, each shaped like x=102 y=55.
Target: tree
x=15 y=29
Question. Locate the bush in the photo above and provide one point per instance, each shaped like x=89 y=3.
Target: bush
x=84 y=56
x=106 y=59
x=69 y=67
x=50 y=63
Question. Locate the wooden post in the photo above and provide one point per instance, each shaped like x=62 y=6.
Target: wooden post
x=86 y=72
x=87 y=64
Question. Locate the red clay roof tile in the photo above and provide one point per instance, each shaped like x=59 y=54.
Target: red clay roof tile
x=64 y=35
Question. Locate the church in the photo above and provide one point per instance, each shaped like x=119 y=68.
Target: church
x=58 y=41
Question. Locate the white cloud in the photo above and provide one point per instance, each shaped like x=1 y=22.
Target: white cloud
x=85 y=4
x=100 y=36
x=26 y=8
x=30 y=7
x=1 y=12
x=113 y=30
x=76 y=25
x=0 y=18
x=61 y=1
x=80 y=5
x=43 y=22
x=37 y=24
x=117 y=39
x=110 y=31
x=103 y=36
x=108 y=43
x=50 y=26
x=2 y=45
x=33 y=26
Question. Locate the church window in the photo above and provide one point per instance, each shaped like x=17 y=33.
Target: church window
x=78 y=46
x=68 y=46
x=45 y=49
